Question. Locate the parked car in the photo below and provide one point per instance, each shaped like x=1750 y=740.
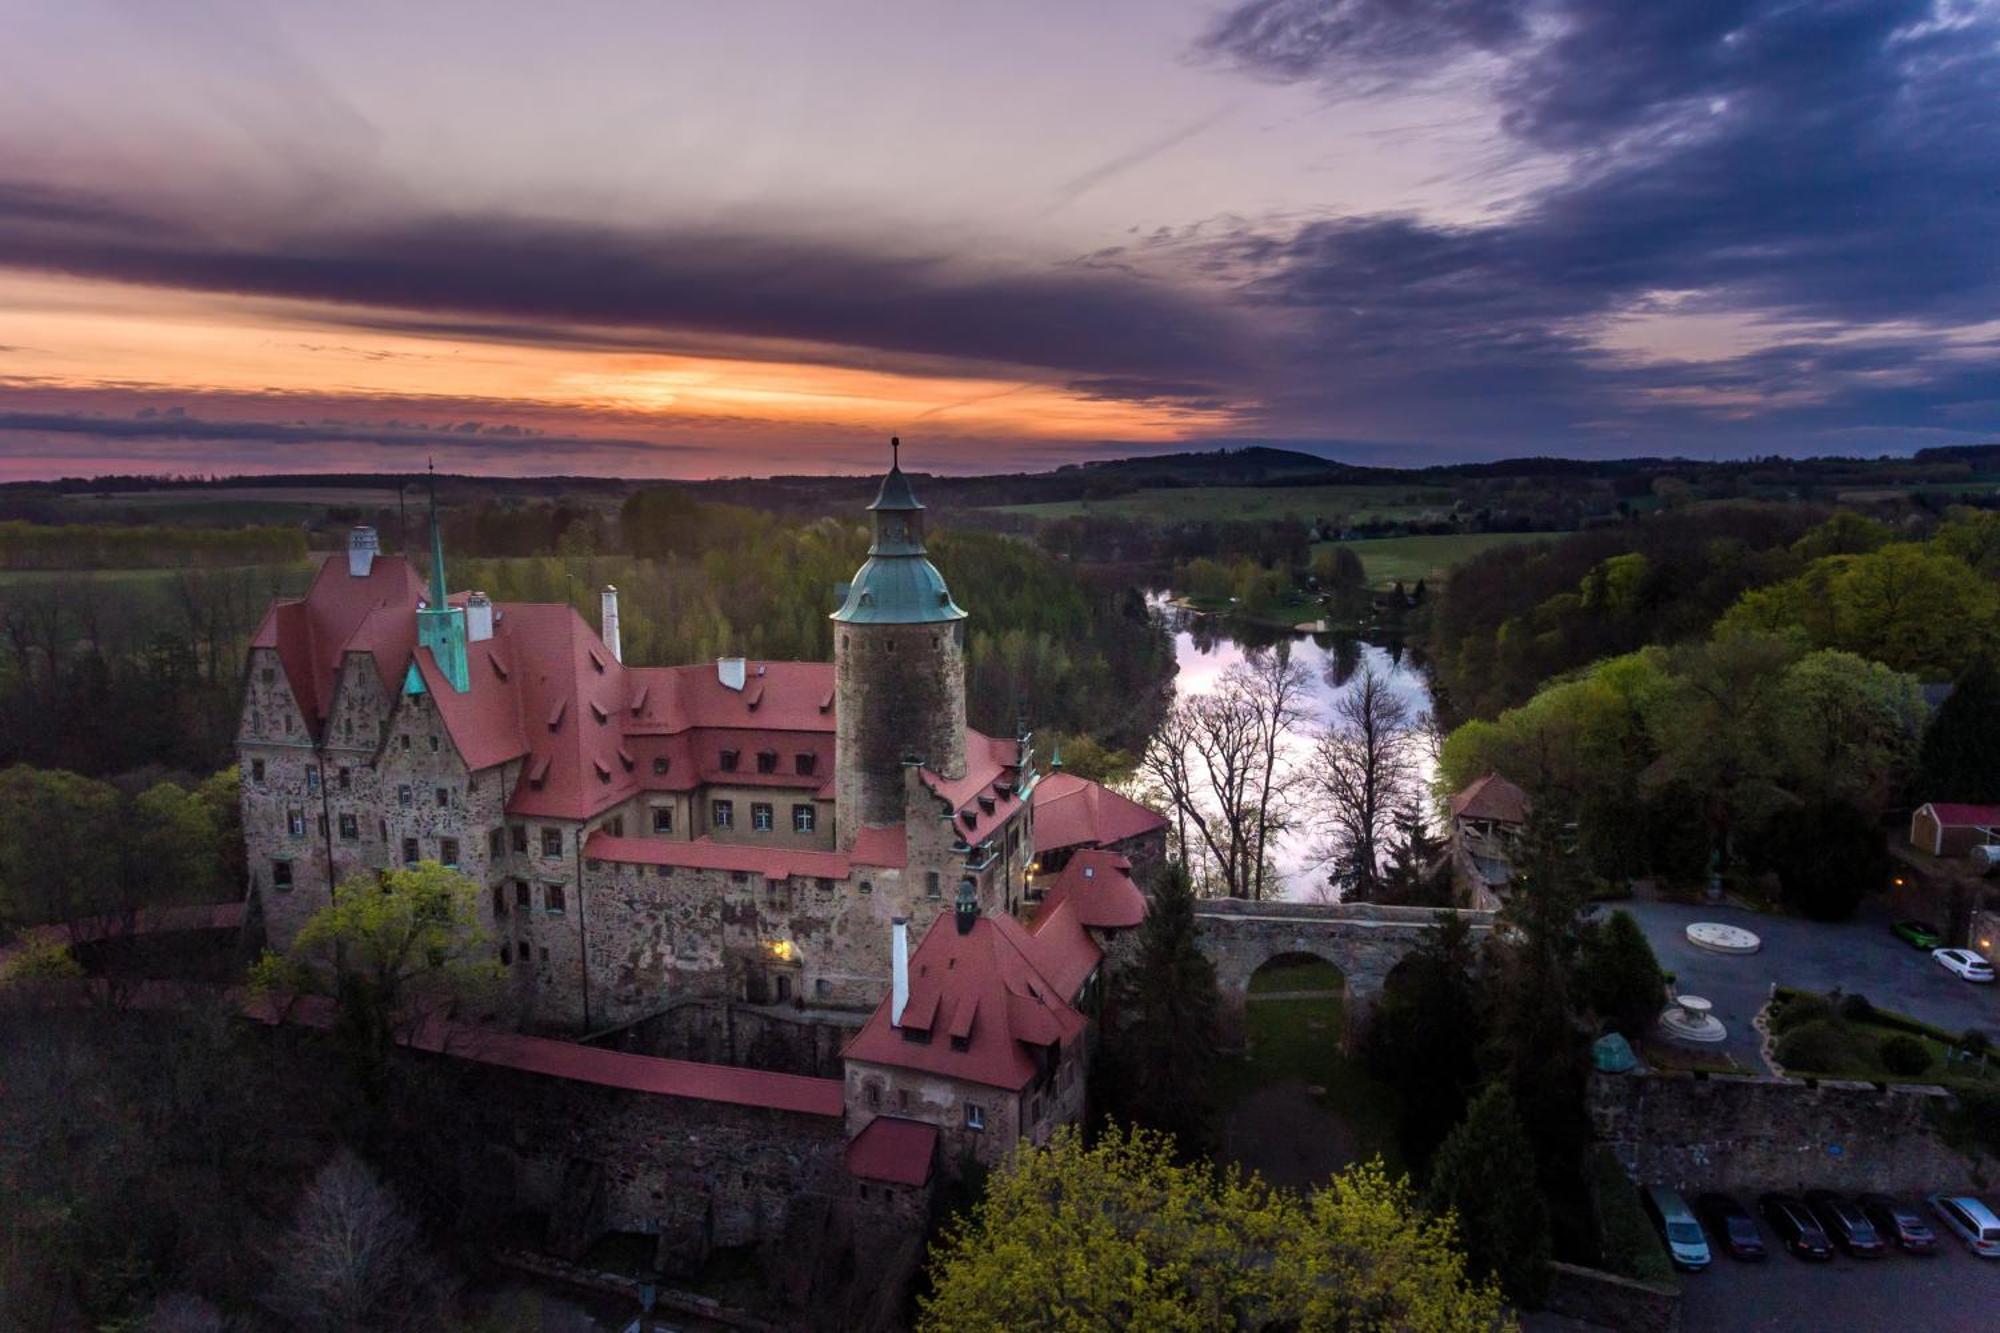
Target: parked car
x=1965 y=963
x=1922 y=934
x=1899 y=1222
x=1844 y=1220
x=1796 y=1228
x=1731 y=1225
x=1685 y=1241
x=1971 y=1221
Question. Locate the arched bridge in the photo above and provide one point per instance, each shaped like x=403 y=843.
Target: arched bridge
x=1363 y=940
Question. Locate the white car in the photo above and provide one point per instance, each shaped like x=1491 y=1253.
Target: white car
x=1964 y=962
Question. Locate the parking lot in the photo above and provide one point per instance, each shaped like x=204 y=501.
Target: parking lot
x=1952 y=1289
x=1858 y=956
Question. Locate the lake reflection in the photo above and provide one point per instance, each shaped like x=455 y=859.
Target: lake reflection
x=1207 y=646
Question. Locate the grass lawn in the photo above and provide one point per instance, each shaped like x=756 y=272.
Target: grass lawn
x=1288 y=612
x=1189 y=504
x=1387 y=559
x=1854 y=1048
x=1294 y=1046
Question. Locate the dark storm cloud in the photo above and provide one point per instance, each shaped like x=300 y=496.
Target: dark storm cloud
x=673 y=281
x=1827 y=162
x=174 y=424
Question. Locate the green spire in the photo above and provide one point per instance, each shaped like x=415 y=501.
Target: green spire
x=440 y=625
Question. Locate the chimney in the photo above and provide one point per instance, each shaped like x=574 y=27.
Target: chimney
x=732 y=672
x=899 y=962
x=607 y=623
x=478 y=617
x=362 y=544
x=968 y=905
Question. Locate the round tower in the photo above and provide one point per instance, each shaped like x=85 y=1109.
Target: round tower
x=898 y=668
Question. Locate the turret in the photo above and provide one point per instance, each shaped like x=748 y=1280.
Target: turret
x=440 y=625
x=899 y=667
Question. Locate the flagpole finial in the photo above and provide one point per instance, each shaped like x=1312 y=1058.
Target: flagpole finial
x=895 y=452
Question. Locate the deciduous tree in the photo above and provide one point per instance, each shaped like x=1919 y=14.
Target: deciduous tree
x=1364 y=771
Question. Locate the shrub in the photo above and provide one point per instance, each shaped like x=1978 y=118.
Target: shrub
x=1904 y=1054
x=1974 y=1042
x=1823 y=1046
x=1856 y=1009
x=1798 y=1010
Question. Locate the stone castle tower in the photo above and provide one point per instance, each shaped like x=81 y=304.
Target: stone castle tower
x=899 y=669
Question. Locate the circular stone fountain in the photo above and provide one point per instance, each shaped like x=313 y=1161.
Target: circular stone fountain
x=1691 y=1018
x=1718 y=938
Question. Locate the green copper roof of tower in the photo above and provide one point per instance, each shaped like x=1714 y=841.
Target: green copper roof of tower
x=440 y=625
x=898 y=585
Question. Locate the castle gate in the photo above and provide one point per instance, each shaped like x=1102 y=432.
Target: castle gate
x=1363 y=940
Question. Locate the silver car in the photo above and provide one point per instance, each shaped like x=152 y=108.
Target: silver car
x=1971 y=1221
x=1965 y=963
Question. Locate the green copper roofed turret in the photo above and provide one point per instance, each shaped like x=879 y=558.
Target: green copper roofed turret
x=898 y=585
x=440 y=625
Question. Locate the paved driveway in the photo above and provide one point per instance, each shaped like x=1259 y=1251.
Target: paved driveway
x=1859 y=956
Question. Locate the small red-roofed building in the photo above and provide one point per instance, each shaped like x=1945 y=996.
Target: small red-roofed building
x=986 y=1037
x=1486 y=822
x=1073 y=813
x=735 y=833
x=1948 y=828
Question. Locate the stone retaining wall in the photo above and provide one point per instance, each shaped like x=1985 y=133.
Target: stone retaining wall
x=1753 y=1134
x=1606 y=1300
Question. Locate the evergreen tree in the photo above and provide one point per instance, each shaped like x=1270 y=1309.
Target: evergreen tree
x=1618 y=976
x=1426 y=1036
x=1162 y=1058
x=1959 y=760
x=1485 y=1173
x=1407 y=879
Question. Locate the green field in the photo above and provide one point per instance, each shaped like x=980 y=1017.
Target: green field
x=1334 y=504
x=1388 y=559
x=292 y=578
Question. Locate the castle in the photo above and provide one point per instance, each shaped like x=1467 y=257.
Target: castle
x=828 y=837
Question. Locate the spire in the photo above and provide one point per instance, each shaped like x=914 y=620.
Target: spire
x=897 y=585
x=437 y=540
x=1055 y=756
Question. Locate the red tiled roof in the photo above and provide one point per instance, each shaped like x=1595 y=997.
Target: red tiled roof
x=787 y=697
x=1071 y=811
x=1063 y=952
x=1953 y=814
x=1492 y=797
x=893 y=1149
x=705 y=854
x=1098 y=885
x=887 y=846
x=991 y=772
x=592 y=1064
x=1004 y=990
x=311 y=633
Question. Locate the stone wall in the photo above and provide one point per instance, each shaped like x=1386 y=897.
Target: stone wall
x=898 y=690
x=1755 y=1134
x=1605 y=1300
x=722 y=1032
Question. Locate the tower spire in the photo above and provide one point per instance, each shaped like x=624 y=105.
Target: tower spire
x=437 y=539
x=440 y=625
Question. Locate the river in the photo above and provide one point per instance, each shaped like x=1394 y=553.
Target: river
x=1206 y=646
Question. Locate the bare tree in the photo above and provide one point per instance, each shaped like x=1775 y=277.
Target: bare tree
x=1205 y=758
x=1278 y=691
x=353 y=1257
x=1365 y=772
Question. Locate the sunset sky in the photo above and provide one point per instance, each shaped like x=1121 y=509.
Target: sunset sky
x=689 y=239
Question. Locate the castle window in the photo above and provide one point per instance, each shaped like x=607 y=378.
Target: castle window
x=933 y=886
x=500 y=904
x=825 y=886
x=739 y=877
x=288 y=724
x=660 y=764
x=350 y=828
x=519 y=832
x=347 y=727
x=823 y=989
x=552 y=898
x=551 y=841
x=295 y=821
x=281 y=876
x=868 y=886
x=312 y=779
x=405 y=797
x=347 y=779
x=664 y=872
x=722 y=814
x=523 y=957
x=256 y=770
x=269 y=675
x=410 y=853
x=663 y=819
x=804 y=817
x=506 y=955
x=434 y=745
x=448 y=851
x=729 y=761
x=496 y=844
x=767 y=761
x=522 y=897
x=256 y=719
x=760 y=816
x=874 y=1096
x=406 y=740
x=975 y=1117
x=443 y=797
x=806 y=761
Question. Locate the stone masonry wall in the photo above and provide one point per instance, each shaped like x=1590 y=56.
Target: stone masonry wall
x=1753 y=1134
x=899 y=690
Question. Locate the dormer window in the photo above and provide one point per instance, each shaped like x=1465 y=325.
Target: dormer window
x=806 y=761
x=767 y=761
x=660 y=765
x=729 y=761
